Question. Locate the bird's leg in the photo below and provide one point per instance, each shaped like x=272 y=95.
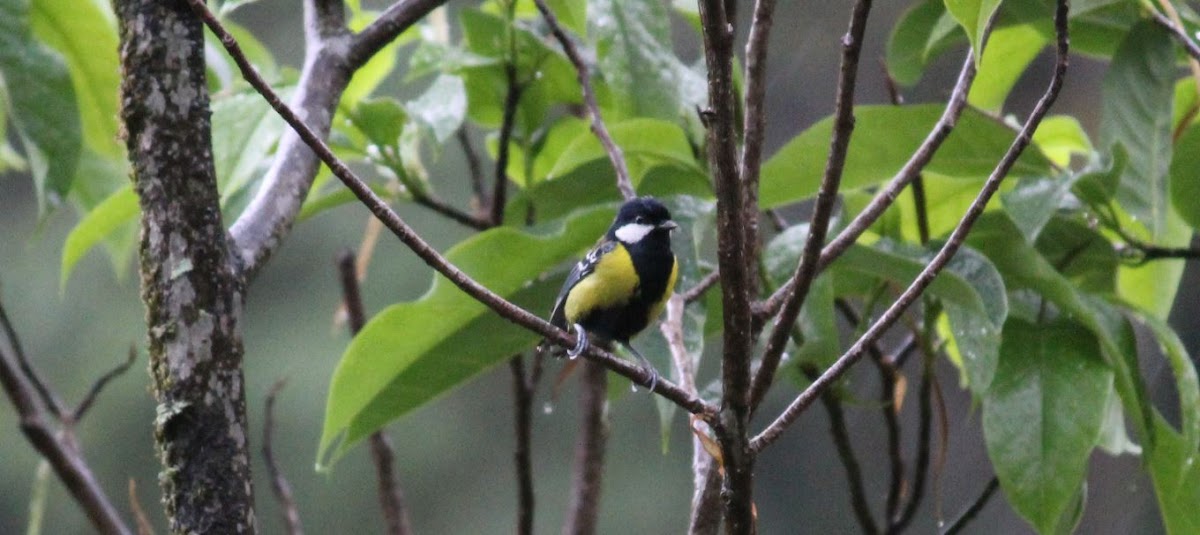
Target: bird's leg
x=646 y=363
x=581 y=342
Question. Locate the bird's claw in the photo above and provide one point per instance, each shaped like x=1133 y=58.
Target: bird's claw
x=581 y=342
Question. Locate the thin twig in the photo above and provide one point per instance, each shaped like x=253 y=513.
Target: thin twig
x=426 y=252
x=49 y=399
x=279 y=483
x=624 y=183
x=943 y=256
x=390 y=24
x=474 y=167
x=974 y=509
x=921 y=468
x=442 y=207
x=588 y=468
x=512 y=99
x=754 y=123
x=694 y=293
x=845 y=451
x=139 y=515
x=1141 y=252
x=888 y=195
x=889 y=409
x=100 y=383
x=522 y=456
x=391 y=495
x=68 y=463
x=839 y=145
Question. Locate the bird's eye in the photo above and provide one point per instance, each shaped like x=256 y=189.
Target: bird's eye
x=639 y=220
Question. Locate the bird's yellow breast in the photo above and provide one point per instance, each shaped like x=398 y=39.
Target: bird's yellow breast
x=611 y=284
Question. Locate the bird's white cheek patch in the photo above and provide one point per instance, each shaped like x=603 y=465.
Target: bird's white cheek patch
x=633 y=232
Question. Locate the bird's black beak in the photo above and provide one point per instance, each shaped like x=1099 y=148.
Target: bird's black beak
x=668 y=225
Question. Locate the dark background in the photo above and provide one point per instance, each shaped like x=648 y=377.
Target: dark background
x=455 y=455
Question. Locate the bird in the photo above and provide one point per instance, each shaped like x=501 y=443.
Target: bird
x=623 y=282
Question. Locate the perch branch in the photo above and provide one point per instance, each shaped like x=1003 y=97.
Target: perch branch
x=754 y=120
x=391 y=23
x=974 y=508
x=943 y=256
x=426 y=252
x=587 y=471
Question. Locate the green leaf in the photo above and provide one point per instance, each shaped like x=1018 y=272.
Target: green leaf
x=1152 y=286
x=973 y=16
x=644 y=142
x=1187 y=387
x=1185 y=177
x=441 y=108
x=1010 y=50
x=245 y=131
x=42 y=103
x=633 y=44
x=1061 y=136
x=1042 y=416
x=411 y=353
x=884 y=139
x=1034 y=201
x=906 y=56
x=1176 y=476
x=1138 y=87
x=380 y=119
x=86 y=37
x=1024 y=268
x=1097 y=183
x=1081 y=254
x=571 y=14
x=118 y=209
x=1187 y=104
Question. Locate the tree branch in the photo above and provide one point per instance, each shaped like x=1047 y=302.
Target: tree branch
x=279 y=483
x=624 y=184
x=974 y=509
x=888 y=195
x=511 y=100
x=839 y=145
x=427 y=253
x=943 y=256
x=190 y=282
x=68 y=463
x=694 y=293
x=391 y=495
x=845 y=451
x=588 y=468
x=754 y=121
x=98 y=386
x=391 y=23
x=48 y=398
x=731 y=427
x=523 y=385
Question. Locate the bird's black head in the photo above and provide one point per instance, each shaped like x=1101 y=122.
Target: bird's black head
x=641 y=218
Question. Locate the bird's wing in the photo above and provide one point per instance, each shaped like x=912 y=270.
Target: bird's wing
x=582 y=269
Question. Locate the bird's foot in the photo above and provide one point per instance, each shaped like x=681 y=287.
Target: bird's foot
x=581 y=342
x=645 y=364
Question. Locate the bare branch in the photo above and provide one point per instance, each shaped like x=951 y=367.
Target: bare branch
x=839 y=145
x=391 y=495
x=100 y=383
x=754 y=120
x=888 y=195
x=442 y=207
x=390 y=24
x=325 y=20
x=694 y=293
x=921 y=468
x=511 y=100
x=143 y=522
x=279 y=483
x=67 y=462
x=590 y=444
x=943 y=256
x=974 y=509
x=48 y=398
x=845 y=451
x=475 y=167
x=523 y=386
x=624 y=184
x=427 y=253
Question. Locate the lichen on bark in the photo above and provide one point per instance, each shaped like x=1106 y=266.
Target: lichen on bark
x=191 y=288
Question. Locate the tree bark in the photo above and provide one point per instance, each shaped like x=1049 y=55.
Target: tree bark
x=191 y=288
